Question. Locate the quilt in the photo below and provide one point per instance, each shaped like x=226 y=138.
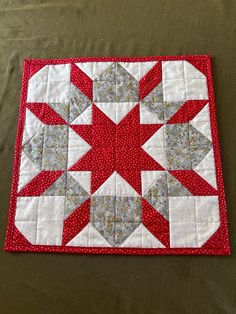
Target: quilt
x=118 y=156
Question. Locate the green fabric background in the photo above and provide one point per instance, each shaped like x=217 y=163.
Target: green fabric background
x=50 y=283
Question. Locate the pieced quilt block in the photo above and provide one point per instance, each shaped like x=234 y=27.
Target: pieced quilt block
x=118 y=156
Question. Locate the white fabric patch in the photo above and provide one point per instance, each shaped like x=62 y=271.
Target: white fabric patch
x=50 y=84
x=32 y=125
x=157 y=153
x=183 y=235
x=75 y=140
x=116 y=111
x=28 y=170
x=182 y=81
x=138 y=69
x=26 y=209
x=157 y=139
x=205 y=231
x=123 y=188
x=142 y=237
x=108 y=187
x=206 y=169
x=89 y=237
x=193 y=219
x=77 y=147
x=202 y=122
x=75 y=154
x=83 y=178
x=28 y=229
x=207 y=209
x=50 y=220
x=84 y=118
x=93 y=69
x=40 y=219
x=116 y=185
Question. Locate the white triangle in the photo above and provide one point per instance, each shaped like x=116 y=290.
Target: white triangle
x=202 y=122
x=142 y=237
x=206 y=169
x=74 y=140
x=81 y=239
x=85 y=117
x=205 y=231
x=122 y=109
x=96 y=239
x=109 y=109
x=89 y=237
x=28 y=229
x=208 y=175
x=28 y=170
x=32 y=125
x=108 y=187
x=93 y=69
x=203 y=127
x=123 y=188
x=203 y=115
x=83 y=178
x=40 y=76
x=191 y=72
x=149 y=178
x=207 y=162
x=157 y=153
x=135 y=239
x=157 y=139
x=149 y=241
x=75 y=154
x=138 y=69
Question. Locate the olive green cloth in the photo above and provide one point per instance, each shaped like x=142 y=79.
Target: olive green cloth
x=57 y=283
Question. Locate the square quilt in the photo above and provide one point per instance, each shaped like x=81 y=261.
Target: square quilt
x=118 y=156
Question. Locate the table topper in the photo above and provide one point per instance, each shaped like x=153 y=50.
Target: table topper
x=118 y=156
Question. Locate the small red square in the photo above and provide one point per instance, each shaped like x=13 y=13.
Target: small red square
x=128 y=158
x=103 y=136
x=103 y=158
x=128 y=136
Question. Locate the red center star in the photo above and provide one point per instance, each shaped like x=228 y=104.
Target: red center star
x=116 y=148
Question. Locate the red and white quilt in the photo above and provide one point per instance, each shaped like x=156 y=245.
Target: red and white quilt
x=118 y=156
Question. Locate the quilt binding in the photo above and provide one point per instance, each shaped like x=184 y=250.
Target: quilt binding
x=222 y=232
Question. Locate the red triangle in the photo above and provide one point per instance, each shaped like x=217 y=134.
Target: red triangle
x=155 y=223
x=148 y=163
x=40 y=183
x=100 y=118
x=187 y=111
x=34 y=68
x=132 y=118
x=200 y=66
x=76 y=222
x=98 y=178
x=46 y=114
x=133 y=178
x=218 y=241
x=84 y=163
x=150 y=81
x=85 y=131
x=82 y=81
x=19 y=239
x=193 y=182
x=147 y=131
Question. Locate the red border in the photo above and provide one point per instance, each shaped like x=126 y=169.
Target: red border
x=223 y=230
